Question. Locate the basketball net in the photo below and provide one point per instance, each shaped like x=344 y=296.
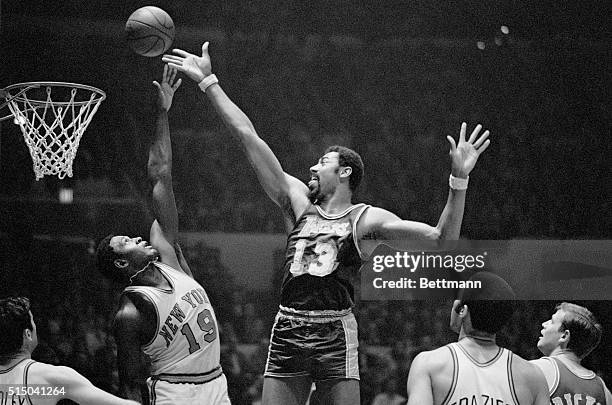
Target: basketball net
x=53 y=129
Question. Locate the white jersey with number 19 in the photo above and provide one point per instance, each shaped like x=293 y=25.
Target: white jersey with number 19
x=186 y=342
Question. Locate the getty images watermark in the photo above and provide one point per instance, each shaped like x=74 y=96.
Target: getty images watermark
x=536 y=269
x=413 y=262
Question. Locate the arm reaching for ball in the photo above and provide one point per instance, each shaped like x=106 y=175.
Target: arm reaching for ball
x=285 y=190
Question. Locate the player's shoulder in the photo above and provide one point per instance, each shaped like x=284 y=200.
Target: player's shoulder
x=372 y=218
x=526 y=372
x=375 y=212
x=129 y=311
x=48 y=374
x=433 y=361
x=544 y=364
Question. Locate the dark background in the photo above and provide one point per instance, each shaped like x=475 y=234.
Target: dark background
x=389 y=79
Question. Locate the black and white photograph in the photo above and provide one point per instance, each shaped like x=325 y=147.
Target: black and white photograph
x=264 y=202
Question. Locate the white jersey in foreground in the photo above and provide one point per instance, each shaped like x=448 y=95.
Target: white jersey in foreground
x=186 y=341
x=481 y=383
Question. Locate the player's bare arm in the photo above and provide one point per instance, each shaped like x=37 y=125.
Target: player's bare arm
x=381 y=224
x=286 y=191
x=547 y=369
x=132 y=329
x=531 y=386
x=74 y=386
x=607 y=393
x=164 y=231
x=426 y=367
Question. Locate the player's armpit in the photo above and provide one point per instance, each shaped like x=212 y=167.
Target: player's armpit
x=182 y=261
x=297 y=195
x=419 y=385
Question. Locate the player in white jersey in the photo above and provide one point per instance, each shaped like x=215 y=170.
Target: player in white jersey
x=567 y=338
x=26 y=381
x=474 y=370
x=164 y=312
x=316 y=293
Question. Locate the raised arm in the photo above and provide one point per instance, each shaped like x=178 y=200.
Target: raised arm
x=286 y=191
x=164 y=231
x=464 y=156
x=381 y=224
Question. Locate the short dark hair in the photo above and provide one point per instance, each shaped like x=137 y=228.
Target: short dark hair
x=105 y=260
x=349 y=158
x=14 y=318
x=585 y=331
x=491 y=306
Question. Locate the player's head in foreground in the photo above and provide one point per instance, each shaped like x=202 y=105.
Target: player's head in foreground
x=483 y=311
x=121 y=258
x=18 y=334
x=340 y=168
x=571 y=328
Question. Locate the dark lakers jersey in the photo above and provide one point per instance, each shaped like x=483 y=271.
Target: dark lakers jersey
x=571 y=389
x=321 y=257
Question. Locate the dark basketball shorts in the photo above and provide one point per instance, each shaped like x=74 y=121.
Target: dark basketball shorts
x=319 y=344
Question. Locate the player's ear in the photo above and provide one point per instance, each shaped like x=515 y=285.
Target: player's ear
x=462 y=310
x=458 y=307
x=27 y=333
x=565 y=337
x=346 y=171
x=121 y=263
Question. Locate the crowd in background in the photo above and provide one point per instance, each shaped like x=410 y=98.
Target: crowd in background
x=544 y=103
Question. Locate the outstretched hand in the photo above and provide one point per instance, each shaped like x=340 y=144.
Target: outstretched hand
x=195 y=67
x=465 y=154
x=165 y=90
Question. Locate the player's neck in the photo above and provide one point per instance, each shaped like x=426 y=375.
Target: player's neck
x=152 y=277
x=6 y=363
x=339 y=201
x=565 y=354
x=477 y=338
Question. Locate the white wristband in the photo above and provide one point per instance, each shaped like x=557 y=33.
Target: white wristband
x=207 y=82
x=457 y=183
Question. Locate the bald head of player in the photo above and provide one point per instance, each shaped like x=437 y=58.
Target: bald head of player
x=571 y=328
x=18 y=337
x=121 y=258
x=483 y=311
x=339 y=170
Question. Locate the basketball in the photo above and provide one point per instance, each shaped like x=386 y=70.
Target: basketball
x=150 y=31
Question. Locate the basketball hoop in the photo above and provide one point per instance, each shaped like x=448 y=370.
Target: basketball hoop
x=52 y=128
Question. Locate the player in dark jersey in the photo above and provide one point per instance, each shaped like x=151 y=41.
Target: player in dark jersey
x=26 y=381
x=475 y=370
x=314 y=336
x=164 y=312
x=567 y=338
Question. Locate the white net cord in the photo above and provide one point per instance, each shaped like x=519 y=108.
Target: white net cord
x=53 y=131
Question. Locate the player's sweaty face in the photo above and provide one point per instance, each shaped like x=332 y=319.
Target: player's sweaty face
x=324 y=175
